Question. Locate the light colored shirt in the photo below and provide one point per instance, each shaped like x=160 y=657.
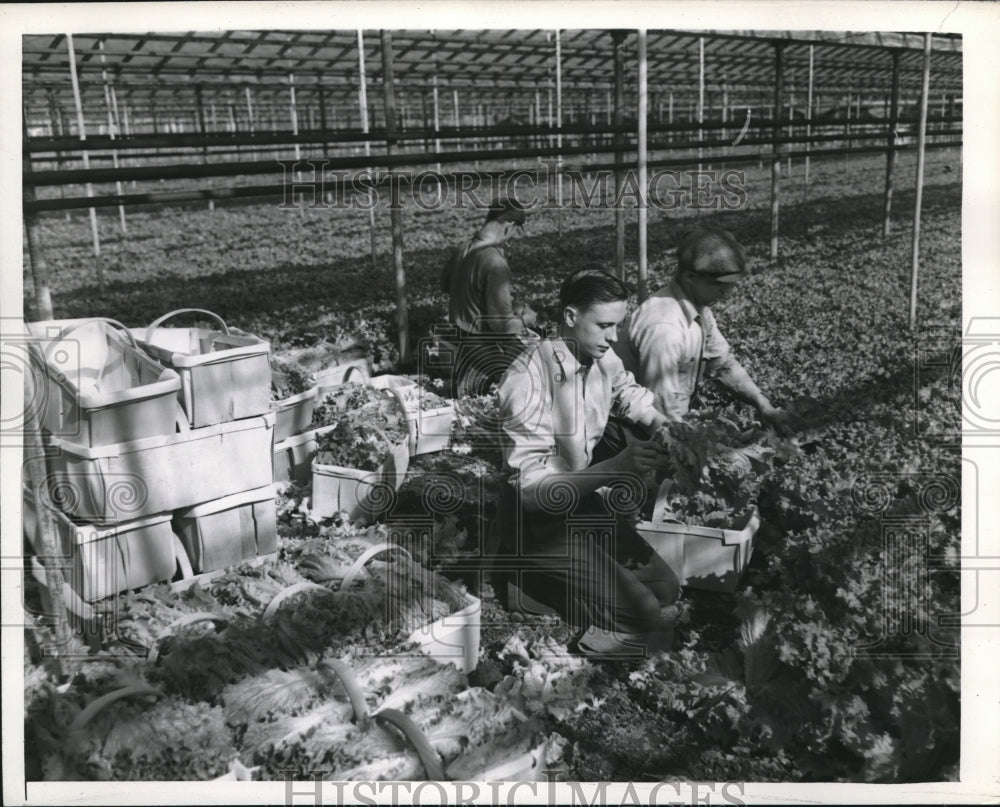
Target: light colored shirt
x=668 y=343
x=554 y=411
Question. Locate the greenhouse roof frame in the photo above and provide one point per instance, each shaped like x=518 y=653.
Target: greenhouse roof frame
x=155 y=66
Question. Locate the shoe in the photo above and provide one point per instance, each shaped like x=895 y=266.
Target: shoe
x=600 y=642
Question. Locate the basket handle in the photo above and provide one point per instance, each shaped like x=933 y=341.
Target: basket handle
x=428 y=756
x=338 y=670
x=88 y=321
x=160 y=320
x=355 y=369
x=181 y=622
x=284 y=594
x=348 y=579
x=95 y=707
x=181 y=557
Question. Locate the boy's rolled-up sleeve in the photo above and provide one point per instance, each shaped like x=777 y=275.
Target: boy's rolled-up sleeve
x=629 y=399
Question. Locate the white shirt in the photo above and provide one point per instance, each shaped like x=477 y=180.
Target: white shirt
x=554 y=411
x=667 y=343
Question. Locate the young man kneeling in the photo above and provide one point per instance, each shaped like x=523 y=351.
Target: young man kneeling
x=560 y=541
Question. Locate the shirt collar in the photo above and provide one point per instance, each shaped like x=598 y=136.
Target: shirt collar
x=481 y=240
x=691 y=311
x=568 y=363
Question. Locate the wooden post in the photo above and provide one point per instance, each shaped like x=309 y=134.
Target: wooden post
x=86 y=160
x=890 y=155
x=250 y=109
x=551 y=118
x=776 y=147
x=232 y=119
x=363 y=106
x=538 y=119
x=57 y=115
x=395 y=210
x=51 y=122
x=111 y=134
x=293 y=114
x=45 y=536
x=725 y=109
x=559 y=141
x=36 y=255
x=670 y=114
x=618 y=37
x=642 y=157
x=199 y=102
x=54 y=117
x=126 y=118
x=425 y=118
x=321 y=97
x=809 y=114
x=46 y=527
x=921 y=154
x=701 y=97
x=437 y=126
x=479 y=121
x=847 y=127
x=791 y=124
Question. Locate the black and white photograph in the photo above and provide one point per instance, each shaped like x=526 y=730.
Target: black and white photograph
x=493 y=403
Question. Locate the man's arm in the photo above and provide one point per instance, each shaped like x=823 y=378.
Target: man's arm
x=499 y=316
x=530 y=448
x=630 y=400
x=732 y=375
x=724 y=367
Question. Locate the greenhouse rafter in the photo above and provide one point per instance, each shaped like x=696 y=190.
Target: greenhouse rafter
x=177 y=109
x=331 y=59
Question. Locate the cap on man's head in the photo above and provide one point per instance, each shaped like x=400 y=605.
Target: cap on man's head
x=714 y=252
x=505 y=208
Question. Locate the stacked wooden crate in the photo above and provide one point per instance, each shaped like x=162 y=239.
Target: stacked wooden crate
x=100 y=393
x=149 y=433
x=294 y=439
x=226 y=400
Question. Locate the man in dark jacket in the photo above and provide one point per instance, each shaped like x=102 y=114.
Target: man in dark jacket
x=477 y=279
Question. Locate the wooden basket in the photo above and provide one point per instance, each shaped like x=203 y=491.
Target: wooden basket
x=430 y=429
x=454 y=638
x=224 y=376
x=98 y=562
x=293 y=415
x=363 y=495
x=160 y=474
x=293 y=457
x=228 y=530
x=99 y=387
x=708 y=558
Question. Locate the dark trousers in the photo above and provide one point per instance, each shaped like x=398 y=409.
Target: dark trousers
x=482 y=360
x=617 y=435
x=586 y=563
